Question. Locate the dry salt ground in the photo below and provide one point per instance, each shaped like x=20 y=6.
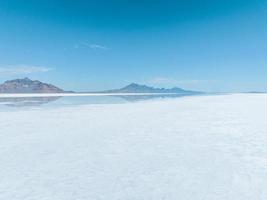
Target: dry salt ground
x=191 y=148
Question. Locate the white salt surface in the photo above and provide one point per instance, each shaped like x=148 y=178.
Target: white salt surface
x=192 y=148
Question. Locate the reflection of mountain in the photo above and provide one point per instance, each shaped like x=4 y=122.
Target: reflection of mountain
x=39 y=101
x=135 y=98
x=27 y=101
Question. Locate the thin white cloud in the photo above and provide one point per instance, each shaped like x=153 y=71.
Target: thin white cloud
x=11 y=70
x=175 y=82
x=162 y=80
x=196 y=81
x=94 y=46
x=97 y=46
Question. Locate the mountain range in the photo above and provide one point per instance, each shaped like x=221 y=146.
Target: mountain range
x=27 y=85
x=137 y=88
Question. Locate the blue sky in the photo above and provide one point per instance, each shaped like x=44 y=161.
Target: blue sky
x=209 y=45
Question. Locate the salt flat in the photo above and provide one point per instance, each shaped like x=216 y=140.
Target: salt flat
x=191 y=148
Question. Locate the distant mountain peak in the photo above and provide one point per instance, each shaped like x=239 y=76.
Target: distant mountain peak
x=26 y=85
x=139 y=88
x=133 y=84
x=26 y=79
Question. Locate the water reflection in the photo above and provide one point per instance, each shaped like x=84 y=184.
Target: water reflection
x=75 y=100
x=136 y=98
x=27 y=101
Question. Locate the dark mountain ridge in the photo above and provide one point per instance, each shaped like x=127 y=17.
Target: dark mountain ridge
x=27 y=85
x=137 y=88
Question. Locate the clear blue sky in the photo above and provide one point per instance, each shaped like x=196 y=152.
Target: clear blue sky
x=209 y=45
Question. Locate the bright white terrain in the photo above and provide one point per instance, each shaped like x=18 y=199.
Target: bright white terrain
x=191 y=148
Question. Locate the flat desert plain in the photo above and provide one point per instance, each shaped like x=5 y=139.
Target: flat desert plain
x=190 y=148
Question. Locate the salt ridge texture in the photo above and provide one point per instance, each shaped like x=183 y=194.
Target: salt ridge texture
x=192 y=148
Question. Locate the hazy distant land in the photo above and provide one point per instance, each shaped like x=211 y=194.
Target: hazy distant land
x=28 y=87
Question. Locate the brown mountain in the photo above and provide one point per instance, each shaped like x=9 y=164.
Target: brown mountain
x=27 y=85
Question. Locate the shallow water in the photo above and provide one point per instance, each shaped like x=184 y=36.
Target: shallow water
x=15 y=103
